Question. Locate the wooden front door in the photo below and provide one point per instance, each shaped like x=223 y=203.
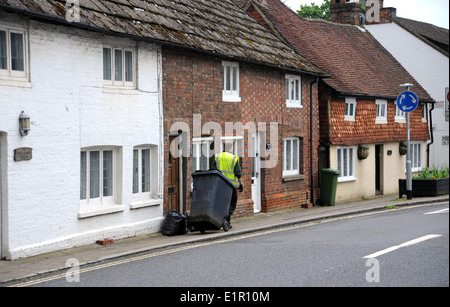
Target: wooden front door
x=174 y=183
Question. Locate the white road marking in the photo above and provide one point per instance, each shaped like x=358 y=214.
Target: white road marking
x=409 y=243
x=438 y=211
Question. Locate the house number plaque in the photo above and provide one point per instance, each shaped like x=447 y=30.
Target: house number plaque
x=23 y=154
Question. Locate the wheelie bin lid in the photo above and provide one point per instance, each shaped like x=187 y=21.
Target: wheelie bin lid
x=330 y=171
x=214 y=172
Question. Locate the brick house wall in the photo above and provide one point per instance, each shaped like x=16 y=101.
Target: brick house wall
x=264 y=100
x=364 y=130
x=192 y=84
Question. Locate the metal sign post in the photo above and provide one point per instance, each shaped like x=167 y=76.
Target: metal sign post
x=408 y=102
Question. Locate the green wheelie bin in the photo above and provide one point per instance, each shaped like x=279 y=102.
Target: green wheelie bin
x=328 y=186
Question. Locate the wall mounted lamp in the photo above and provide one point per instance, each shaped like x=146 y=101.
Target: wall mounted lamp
x=24 y=124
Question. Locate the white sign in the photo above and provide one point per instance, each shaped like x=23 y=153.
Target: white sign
x=446 y=104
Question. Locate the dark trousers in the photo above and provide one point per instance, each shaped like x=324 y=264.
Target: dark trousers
x=233 y=203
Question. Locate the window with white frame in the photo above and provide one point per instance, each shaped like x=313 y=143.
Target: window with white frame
x=381 y=105
x=230 y=75
x=399 y=114
x=424 y=112
x=142 y=172
x=350 y=108
x=97 y=176
x=292 y=156
x=416 y=156
x=202 y=151
x=119 y=66
x=293 y=91
x=13 y=53
x=238 y=144
x=345 y=157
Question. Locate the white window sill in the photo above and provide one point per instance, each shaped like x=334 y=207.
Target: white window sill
x=100 y=210
x=400 y=120
x=227 y=98
x=347 y=179
x=143 y=203
x=381 y=122
x=294 y=105
x=120 y=90
x=287 y=178
x=349 y=119
x=16 y=83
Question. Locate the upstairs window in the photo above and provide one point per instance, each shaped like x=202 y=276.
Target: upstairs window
x=399 y=114
x=119 y=66
x=350 y=108
x=381 y=111
x=13 y=53
x=230 y=75
x=424 y=112
x=293 y=91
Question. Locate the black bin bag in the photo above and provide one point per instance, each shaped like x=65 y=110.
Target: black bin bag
x=174 y=224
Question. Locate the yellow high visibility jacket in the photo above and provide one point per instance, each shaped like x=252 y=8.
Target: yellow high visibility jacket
x=226 y=162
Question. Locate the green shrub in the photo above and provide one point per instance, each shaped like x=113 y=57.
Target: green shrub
x=433 y=173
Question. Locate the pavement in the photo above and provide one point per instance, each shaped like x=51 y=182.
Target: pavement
x=46 y=263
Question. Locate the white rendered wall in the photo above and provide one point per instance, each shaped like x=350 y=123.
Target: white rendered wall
x=70 y=109
x=430 y=68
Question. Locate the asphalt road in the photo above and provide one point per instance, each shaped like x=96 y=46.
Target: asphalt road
x=402 y=247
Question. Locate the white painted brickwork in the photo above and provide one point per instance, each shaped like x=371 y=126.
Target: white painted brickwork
x=70 y=109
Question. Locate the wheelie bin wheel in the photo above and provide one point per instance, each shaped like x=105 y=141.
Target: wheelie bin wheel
x=225 y=225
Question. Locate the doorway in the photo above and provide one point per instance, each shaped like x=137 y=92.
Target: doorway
x=378 y=169
x=256 y=171
x=177 y=174
x=174 y=183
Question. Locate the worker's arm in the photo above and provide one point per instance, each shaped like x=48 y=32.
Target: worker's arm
x=238 y=172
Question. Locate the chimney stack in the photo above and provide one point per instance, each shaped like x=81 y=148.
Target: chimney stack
x=346 y=12
x=376 y=13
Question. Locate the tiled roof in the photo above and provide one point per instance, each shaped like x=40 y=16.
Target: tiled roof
x=358 y=64
x=213 y=26
x=433 y=35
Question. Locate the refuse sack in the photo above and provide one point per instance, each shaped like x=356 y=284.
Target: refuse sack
x=174 y=224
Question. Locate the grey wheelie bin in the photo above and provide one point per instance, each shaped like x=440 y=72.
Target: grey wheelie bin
x=210 y=201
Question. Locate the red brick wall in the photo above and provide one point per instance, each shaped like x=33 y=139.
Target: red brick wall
x=192 y=84
x=252 y=11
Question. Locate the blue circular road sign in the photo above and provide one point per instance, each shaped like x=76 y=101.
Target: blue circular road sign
x=407 y=101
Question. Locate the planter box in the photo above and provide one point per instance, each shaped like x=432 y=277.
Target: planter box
x=424 y=187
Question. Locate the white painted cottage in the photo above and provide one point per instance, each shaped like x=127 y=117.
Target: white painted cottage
x=423 y=49
x=90 y=167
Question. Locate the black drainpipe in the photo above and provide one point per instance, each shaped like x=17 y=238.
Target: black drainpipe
x=311 y=139
x=431 y=135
